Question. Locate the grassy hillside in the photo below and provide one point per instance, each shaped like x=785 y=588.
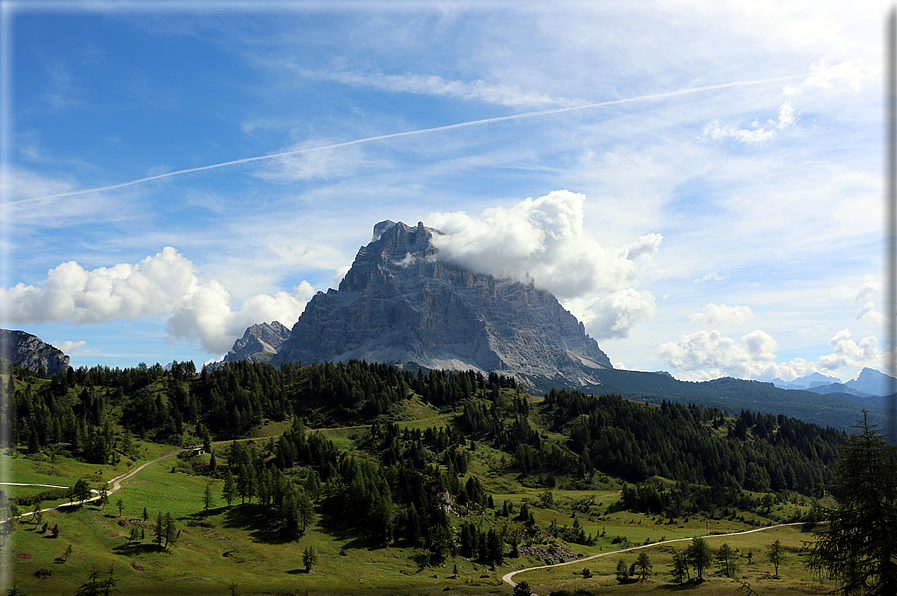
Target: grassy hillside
x=235 y=544
x=411 y=483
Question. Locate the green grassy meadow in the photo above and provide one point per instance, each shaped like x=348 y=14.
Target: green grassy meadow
x=235 y=545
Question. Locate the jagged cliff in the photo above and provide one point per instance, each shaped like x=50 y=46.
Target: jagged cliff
x=260 y=343
x=402 y=304
x=28 y=351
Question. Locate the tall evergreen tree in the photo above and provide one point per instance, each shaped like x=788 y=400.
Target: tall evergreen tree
x=207 y=498
x=305 y=510
x=171 y=530
x=229 y=490
x=159 y=530
x=680 y=566
x=725 y=559
x=776 y=554
x=858 y=546
x=699 y=555
x=643 y=565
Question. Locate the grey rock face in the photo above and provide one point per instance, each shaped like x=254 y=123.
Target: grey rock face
x=28 y=351
x=401 y=304
x=259 y=343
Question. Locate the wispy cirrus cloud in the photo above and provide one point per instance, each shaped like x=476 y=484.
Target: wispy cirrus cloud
x=823 y=76
x=478 y=89
x=714 y=315
x=826 y=76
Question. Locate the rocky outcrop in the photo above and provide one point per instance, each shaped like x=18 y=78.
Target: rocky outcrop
x=400 y=303
x=28 y=351
x=259 y=343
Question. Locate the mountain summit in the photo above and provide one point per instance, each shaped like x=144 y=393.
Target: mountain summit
x=259 y=343
x=401 y=303
x=28 y=351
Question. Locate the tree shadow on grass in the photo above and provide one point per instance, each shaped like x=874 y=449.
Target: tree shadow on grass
x=205 y=517
x=137 y=548
x=257 y=521
x=338 y=525
x=688 y=585
x=69 y=508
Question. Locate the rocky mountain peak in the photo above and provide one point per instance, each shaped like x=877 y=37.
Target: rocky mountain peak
x=259 y=343
x=400 y=303
x=28 y=351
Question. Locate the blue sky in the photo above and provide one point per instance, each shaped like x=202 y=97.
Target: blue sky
x=699 y=182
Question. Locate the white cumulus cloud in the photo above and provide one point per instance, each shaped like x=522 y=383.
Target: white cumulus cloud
x=164 y=284
x=710 y=354
x=68 y=346
x=542 y=240
x=846 y=353
x=870 y=287
x=612 y=316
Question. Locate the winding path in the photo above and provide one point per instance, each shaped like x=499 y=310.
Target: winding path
x=115 y=482
x=507 y=577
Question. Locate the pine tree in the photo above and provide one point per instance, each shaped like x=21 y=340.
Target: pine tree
x=857 y=548
x=65 y=555
x=309 y=558
x=724 y=556
x=207 y=498
x=622 y=571
x=171 y=530
x=159 y=530
x=680 y=566
x=643 y=564
x=229 y=491
x=305 y=510
x=776 y=554
x=699 y=555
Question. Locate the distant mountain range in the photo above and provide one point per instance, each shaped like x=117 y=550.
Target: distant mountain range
x=869 y=383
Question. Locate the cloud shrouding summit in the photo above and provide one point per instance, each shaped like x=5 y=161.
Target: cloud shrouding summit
x=542 y=240
x=164 y=284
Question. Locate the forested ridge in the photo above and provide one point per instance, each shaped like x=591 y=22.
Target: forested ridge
x=400 y=481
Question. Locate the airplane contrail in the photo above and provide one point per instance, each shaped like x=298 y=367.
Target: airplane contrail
x=405 y=134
